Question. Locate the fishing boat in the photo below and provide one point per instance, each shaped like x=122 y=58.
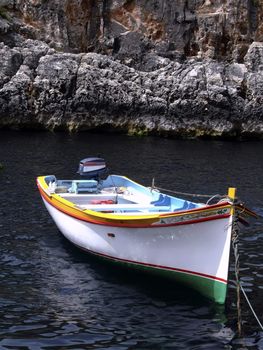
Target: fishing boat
x=122 y=221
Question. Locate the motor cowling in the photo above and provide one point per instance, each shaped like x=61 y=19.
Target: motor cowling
x=93 y=168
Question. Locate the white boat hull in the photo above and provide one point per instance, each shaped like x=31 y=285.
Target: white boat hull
x=194 y=253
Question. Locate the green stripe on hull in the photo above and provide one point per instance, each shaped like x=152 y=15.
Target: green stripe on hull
x=212 y=289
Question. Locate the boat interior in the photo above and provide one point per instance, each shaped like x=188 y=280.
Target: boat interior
x=117 y=194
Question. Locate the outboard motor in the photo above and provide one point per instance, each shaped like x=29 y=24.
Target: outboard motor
x=93 y=168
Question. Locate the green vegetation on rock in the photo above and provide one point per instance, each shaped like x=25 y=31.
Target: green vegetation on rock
x=3 y=13
x=137 y=132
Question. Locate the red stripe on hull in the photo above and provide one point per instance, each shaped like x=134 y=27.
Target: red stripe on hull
x=167 y=268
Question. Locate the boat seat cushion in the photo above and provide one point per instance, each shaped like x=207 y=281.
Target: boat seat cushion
x=186 y=206
x=163 y=200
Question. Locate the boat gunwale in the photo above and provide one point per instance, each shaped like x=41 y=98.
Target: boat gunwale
x=228 y=204
x=135 y=221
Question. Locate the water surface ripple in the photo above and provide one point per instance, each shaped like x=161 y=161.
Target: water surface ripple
x=53 y=296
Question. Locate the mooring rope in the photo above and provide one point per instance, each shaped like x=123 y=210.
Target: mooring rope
x=235 y=243
x=188 y=194
x=251 y=308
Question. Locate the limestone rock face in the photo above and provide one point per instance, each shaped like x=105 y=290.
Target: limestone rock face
x=133 y=28
x=184 y=68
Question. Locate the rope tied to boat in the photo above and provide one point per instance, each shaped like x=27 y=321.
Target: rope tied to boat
x=198 y=195
x=235 y=245
x=235 y=242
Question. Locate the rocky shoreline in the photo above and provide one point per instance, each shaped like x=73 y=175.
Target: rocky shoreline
x=43 y=88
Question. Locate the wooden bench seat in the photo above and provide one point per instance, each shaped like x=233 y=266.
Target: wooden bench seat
x=123 y=207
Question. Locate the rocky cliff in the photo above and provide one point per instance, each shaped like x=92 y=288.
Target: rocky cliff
x=173 y=67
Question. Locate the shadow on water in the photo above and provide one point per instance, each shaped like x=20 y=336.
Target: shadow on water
x=151 y=313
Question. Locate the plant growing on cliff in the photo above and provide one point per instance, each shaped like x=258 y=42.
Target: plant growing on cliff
x=137 y=131
x=255 y=2
x=3 y=13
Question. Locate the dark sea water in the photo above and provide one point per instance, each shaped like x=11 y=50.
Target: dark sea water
x=54 y=297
